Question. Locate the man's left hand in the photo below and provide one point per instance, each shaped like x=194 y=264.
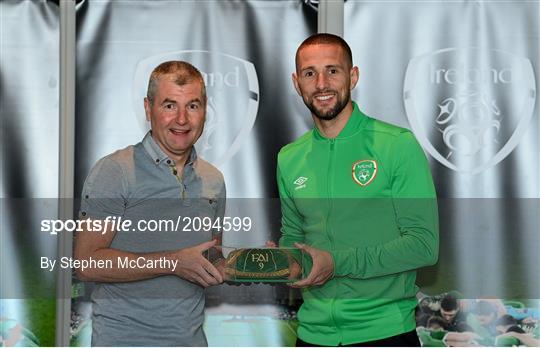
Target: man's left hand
x=322 y=270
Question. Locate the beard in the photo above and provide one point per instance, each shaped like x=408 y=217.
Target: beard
x=333 y=112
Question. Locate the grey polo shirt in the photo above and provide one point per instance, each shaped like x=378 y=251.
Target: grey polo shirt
x=138 y=183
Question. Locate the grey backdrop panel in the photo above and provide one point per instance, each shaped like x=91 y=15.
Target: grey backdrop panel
x=29 y=83
x=464 y=77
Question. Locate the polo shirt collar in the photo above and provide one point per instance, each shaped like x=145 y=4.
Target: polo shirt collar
x=158 y=155
x=356 y=122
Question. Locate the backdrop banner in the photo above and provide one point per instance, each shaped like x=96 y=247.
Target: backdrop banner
x=29 y=97
x=463 y=77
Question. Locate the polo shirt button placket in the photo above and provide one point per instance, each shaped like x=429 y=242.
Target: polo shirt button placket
x=180 y=181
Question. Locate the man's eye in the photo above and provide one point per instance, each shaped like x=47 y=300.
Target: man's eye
x=193 y=106
x=169 y=106
x=333 y=71
x=308 y=74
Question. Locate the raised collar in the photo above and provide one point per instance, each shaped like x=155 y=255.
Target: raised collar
x=356 y=122
x=159 y=156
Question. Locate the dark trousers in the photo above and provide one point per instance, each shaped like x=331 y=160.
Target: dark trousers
x=407 y=339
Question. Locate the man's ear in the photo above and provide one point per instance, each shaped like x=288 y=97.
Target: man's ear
x=295 y=83
x=147 y=108
x=354 y=77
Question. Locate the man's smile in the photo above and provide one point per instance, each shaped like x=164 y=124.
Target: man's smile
x=324 y=97
x=179 y=131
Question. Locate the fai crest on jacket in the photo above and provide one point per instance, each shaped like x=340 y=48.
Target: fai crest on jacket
x=232 y=88
x=364 y=171
x=469 y=107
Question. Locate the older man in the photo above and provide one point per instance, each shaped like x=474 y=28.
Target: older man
x=357 y=195
x=150 y=282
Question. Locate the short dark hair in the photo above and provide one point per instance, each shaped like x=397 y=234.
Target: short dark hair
x=506 y=319
x=326 y=39
x=181 y=73
x=449 y=303
x=436 y=320
x=515 y=328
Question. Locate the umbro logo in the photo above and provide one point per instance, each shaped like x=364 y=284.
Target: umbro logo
x=300 y=182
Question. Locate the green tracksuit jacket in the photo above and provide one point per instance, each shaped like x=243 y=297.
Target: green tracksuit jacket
x=367 y=197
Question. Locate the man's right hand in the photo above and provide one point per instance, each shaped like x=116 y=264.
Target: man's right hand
x=322 y=270
x=193 y=266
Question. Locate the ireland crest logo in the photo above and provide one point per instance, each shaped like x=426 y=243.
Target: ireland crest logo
x=364 y=171
x=469 y=107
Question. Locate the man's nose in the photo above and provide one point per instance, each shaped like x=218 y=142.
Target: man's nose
x=181 y=116
x=321 y=81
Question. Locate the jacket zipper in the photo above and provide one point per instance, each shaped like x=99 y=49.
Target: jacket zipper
x=329 y=188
